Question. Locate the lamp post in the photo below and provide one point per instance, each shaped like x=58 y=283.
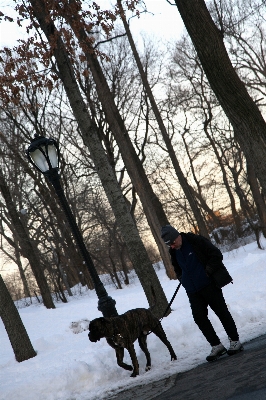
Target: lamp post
x=44 y=155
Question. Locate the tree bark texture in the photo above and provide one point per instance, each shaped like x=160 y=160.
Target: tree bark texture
x=26 y=247
x=16 y=331
x=242 y=112
x=136 y=249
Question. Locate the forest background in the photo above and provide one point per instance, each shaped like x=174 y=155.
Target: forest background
x=144 y=142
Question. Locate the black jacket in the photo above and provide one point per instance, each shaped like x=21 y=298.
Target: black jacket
x=209 y=256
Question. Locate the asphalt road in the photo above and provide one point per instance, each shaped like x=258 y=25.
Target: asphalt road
x=238 y=377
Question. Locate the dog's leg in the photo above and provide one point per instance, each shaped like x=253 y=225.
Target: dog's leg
x=134 y=359
x=158 y=330
x=143 y=345
x=120 y=356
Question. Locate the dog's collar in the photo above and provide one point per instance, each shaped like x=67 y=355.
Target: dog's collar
x=114 y=338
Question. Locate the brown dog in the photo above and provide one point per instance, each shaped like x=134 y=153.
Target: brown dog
x=122 y=331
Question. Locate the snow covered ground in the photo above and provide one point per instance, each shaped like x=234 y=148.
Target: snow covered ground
x=69 y=367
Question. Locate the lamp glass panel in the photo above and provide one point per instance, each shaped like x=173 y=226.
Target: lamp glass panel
x=52 y=154
x=39 y=159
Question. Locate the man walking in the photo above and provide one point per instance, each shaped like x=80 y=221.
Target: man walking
x=198 y=265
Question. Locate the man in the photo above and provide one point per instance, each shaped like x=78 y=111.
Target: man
x=198 y=265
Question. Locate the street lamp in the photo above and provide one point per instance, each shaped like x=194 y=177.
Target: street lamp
x=44 y=155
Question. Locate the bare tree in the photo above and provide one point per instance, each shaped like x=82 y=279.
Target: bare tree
x=138 y=255
x=199 y=102
x=34 y=195
x=152 y=207
x=183 y=181
x=241 y=110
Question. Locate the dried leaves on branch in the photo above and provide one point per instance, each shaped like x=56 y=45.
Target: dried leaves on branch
x=30 y=63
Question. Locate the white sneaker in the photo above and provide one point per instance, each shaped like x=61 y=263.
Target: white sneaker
x=235 y=347
x=216 y=352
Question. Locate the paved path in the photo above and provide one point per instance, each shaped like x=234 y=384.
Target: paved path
x=239 y=377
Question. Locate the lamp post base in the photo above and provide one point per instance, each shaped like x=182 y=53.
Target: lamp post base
x=107 y=307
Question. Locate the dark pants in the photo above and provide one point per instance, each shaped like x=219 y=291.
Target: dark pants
x=212 y=296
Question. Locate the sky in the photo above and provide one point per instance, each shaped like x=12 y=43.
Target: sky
x=163 y=22
x=70 y=367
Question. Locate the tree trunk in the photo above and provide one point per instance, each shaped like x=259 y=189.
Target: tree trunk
x=136 y=249
x=26 y=246
x=151 y=204
x=242 y=112
x=65 y=281
x=16 y=331
x=247 y=212
x=261 y=208
x=21 y=272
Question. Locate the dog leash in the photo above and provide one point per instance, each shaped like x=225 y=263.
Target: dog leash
x=167 y=308
x=169 y=305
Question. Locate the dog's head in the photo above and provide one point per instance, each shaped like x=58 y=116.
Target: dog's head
x=97 y=328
